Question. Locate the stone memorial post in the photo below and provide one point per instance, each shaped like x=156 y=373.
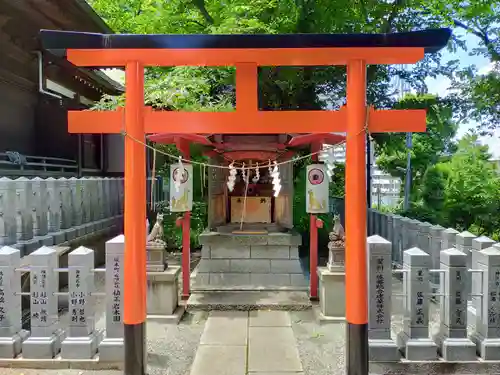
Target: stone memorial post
x=82 y=339
x=54 y=210
x=487 y=335
x=86 y=205
x=435 y=236
x=111 y=348
x=390 y=232
x=109 y=201
x=121 y=194
x=94 y=199
x=452 y=338
x=77 y=203
x=45 y=339
x=478 y=244
x=102 y=203
x=423 y=237
x=382 y=347
x=414 y=340
x=7 y=212
x=449 y=238
x=405 y=234
x=464 y=244
x=66 y=210
x=413 y=228
x=24 y=216
x=41 y=209
x=11 y=333
x=396 y=239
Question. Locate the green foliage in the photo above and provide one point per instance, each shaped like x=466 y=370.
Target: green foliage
x=472 y=194
x=173 y=233
x=428 y=148
x=462 y=193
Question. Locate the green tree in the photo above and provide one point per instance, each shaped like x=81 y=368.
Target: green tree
x=472 y=193
x=428 y=148
x=477 y=95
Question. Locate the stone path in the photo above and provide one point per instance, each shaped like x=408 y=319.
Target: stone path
x=247 y=343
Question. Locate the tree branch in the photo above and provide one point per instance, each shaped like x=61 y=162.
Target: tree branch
x=200 y=4
x=396 y=6
x=483 y=35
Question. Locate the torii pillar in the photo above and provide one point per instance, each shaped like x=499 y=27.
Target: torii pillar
x=134 y=52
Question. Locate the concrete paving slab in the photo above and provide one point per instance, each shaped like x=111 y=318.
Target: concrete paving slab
x=273 y=358
x=272 y=349
x=226 y=328
x=276 y=373
x=219 y=360
x=271 y=335
x=269 y=319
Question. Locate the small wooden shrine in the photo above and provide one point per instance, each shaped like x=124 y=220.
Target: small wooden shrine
x=249 y=242
x=250 y=208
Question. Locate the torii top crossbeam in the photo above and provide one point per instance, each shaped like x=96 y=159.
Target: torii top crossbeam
x=246 y=52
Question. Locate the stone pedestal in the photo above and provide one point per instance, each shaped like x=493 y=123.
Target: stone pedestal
x=452 y=338
x=163 y=295
x=83 y=338
x=487 y=335
x=156 y=257
x=381 y=345
x=336 y=258
x=45 y=340
x=414 y=340
x=11 y=333
x=332 y=293
x=111 y=348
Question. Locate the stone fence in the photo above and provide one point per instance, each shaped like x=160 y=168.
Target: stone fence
x=415 y=329
x=87 y=331
x=43 y=212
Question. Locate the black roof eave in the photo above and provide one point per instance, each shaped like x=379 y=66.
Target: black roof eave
x=431 y=40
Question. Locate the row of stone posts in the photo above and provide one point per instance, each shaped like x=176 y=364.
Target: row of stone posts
x=453 y=342
x=74 y=335
x=78 y=338
x=43 y=212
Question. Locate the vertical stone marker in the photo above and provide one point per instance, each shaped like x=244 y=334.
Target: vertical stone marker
x=382 y=347
x=24 y=216
x=414 y=340
x=464 y=244
x=405 y=233
x=396 y=238
x=111 y=348
x=487 y=335
x=423 y=237
x=452 y=338
x=7 y=212
x=83 y=339
x=478 y=244
x=41 y=209
x=11 y=333
x=435 y=236
x=45 y=339
x=449 y=238
x=54 y=211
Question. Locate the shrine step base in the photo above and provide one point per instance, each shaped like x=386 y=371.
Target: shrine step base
x=246 y=301
x=406 y=367
x=57 y=363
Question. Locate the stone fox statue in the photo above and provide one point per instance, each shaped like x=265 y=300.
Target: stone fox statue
x=156 y=234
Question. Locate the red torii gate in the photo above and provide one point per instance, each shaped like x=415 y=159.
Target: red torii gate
x=246 y=52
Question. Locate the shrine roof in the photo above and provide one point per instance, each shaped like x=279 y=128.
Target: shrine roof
x=430 y=40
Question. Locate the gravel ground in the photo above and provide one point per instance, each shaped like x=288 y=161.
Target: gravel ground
x=321 y=347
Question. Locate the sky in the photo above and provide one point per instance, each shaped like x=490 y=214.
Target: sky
x=440 y=86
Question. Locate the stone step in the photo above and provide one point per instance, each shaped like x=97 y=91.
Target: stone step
x=249 y=300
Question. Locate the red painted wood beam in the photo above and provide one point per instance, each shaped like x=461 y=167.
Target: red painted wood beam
x=304 y=139
x=169 y=138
